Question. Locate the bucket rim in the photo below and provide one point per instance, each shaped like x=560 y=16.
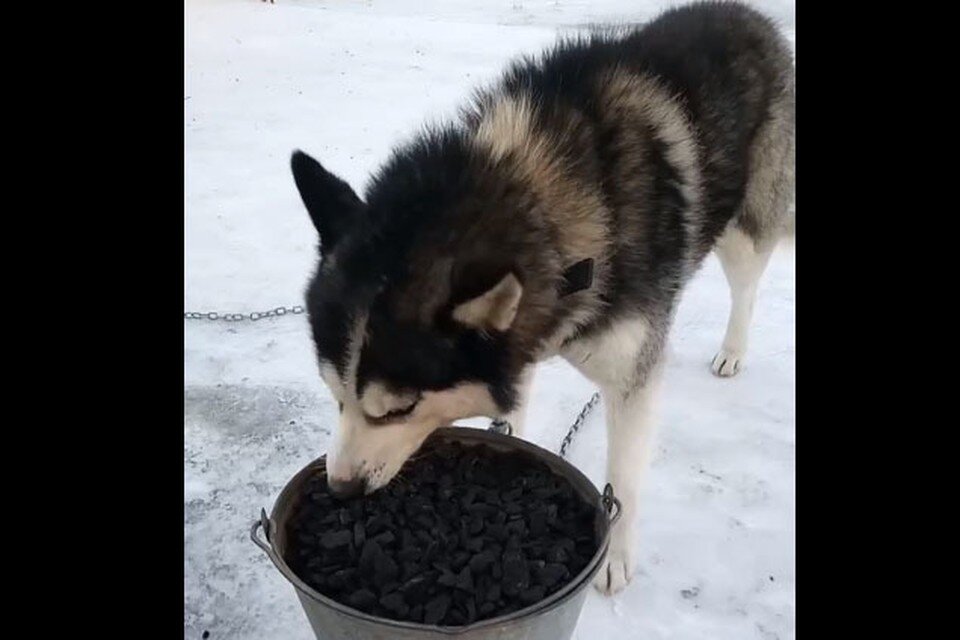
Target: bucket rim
x=465 y=435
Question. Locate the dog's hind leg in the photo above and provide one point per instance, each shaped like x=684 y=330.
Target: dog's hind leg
x=764 y=218
x=743 y=263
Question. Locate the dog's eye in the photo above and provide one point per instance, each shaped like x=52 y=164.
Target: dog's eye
x=395 y=413
x=341 y=406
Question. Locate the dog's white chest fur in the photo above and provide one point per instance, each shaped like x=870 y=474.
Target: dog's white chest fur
x=611 y=356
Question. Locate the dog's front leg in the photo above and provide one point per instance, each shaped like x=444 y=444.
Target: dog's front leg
x=517 y=418
x=631 y=426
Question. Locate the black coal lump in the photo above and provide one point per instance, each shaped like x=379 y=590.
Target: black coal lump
x=516 y=574
x=465 y=580
x=362 y=599
x=481 y=561
x=335 y=539
x=385 y=569
x=447 y=578
x=416 y=613
x=384 y=539
x=415 y=589
x=395 y=603
x=532 y=595
x=556 y=554
x=471 y=607
x=368 y=557
x=359 y=534
x=436 y=609
x=455 y=618
x=467 y=534
x=538 y=522
x=550 y=574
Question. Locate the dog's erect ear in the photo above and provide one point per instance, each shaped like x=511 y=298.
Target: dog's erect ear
x=494 y=309
x=332 y=204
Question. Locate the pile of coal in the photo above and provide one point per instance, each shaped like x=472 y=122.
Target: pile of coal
x=464 y=534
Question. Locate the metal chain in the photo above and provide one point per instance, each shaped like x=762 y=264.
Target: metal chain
x=591 y=403
x=238 y=317
x=500 y=425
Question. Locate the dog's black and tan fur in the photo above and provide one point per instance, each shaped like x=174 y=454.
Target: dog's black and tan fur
x=641 y=149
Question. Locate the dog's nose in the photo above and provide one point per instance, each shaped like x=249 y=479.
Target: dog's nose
x=345 y=489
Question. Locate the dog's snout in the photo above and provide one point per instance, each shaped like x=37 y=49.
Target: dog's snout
x=345 y=489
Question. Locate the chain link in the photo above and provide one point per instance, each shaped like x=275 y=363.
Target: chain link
x=253 y=316
x=575 y=427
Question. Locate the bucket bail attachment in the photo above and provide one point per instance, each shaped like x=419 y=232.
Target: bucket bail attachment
x=267 y=547
x=265 y=523
x=609 y=502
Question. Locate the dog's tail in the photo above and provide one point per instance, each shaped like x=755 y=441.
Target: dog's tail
x=788 y=237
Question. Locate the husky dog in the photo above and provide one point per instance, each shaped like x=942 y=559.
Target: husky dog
x=560 y=215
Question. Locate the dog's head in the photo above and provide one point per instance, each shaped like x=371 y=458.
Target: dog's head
x=411 y=311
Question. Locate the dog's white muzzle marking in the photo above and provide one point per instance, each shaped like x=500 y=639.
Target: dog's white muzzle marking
x=376 y=453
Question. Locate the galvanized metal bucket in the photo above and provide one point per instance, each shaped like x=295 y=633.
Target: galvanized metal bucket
x=553 y=618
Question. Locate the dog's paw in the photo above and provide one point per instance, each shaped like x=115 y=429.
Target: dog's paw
x=727 y=363
x=615 y=572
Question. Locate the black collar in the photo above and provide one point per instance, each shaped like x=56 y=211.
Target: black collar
x=577 y=277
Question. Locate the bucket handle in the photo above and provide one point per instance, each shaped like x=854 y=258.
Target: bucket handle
x=267 y=548
x=609 y=502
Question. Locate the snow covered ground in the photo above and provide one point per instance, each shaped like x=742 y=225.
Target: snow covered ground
x=345 y=81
